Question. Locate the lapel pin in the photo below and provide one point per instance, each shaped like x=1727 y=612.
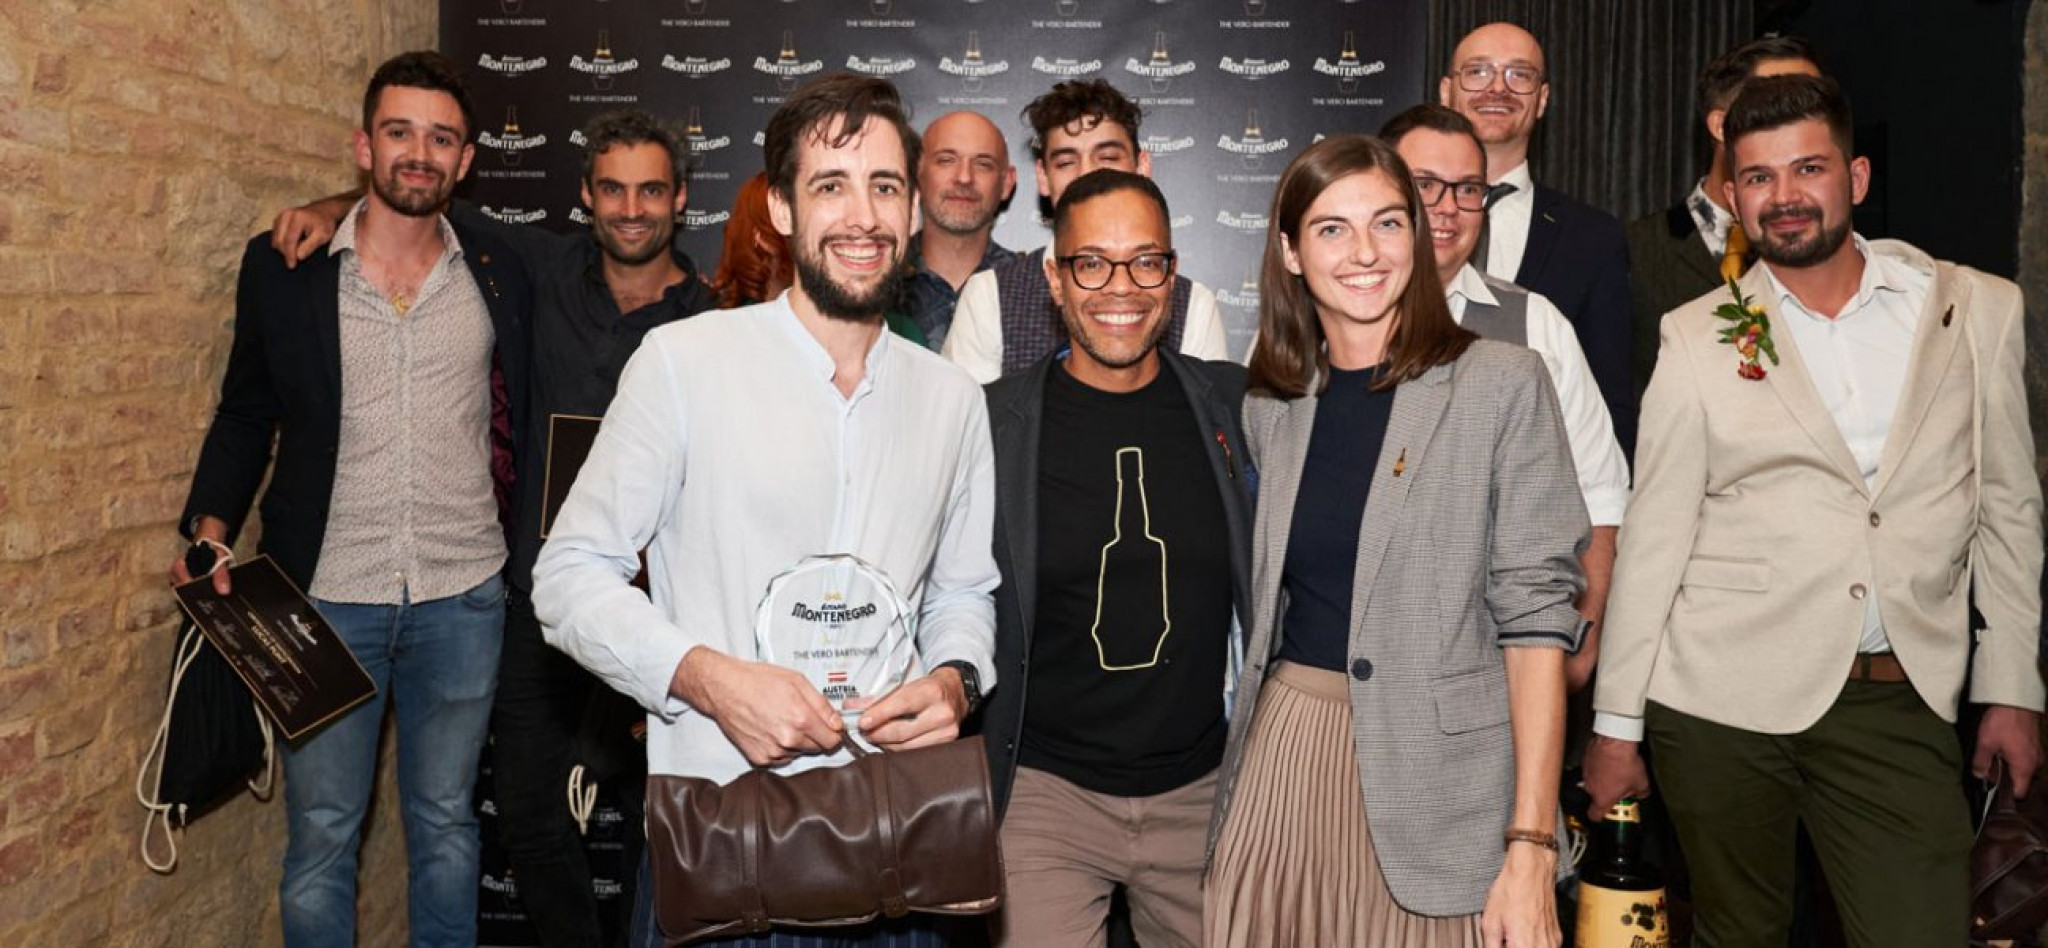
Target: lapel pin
x=1401 y=463
x=484 y=259
x=1948 y=317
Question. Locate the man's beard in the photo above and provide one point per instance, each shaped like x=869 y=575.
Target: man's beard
x=1797 y=252
x=845 y=302
x=409 y=201
x=975 y=221
x=658 y=238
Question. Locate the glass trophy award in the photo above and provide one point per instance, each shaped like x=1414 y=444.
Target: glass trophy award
x=839 y=621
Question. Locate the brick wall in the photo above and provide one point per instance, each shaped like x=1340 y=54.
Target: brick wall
x=141 y=141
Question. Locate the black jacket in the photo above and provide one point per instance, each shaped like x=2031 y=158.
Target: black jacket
x=1577 y=257
x=1016 y=406
x=1669 y=267
x=284 y=381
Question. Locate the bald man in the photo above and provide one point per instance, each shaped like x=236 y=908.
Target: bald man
x=964 y=178
x=1538 y=238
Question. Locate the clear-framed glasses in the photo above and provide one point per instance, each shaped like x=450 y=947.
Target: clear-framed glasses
x=1467 y=195
x=1093 y=271
x=1521 y=80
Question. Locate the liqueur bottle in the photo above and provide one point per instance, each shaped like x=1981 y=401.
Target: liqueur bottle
x=786 y=58
x=1159 y=63
x=1621 y=897
x=971 y=62
x=1131 y=618
x=601 y=79
x=1347 y=63
x=512 y=153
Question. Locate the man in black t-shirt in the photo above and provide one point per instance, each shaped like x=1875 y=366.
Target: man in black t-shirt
x=1123 y=535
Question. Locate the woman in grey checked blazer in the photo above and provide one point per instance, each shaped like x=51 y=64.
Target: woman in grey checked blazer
x=1415 y=566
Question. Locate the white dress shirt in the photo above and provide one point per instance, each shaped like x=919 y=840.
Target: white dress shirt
x=729 y=454
x=975 y=342
x=1507 y=224
x=1857 y=361
x=1603 y=472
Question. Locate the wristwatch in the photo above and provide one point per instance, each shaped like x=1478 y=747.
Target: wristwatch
x=970 y=681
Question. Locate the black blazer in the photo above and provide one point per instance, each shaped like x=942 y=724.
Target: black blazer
x=1016 y=406
x=284 y=380
x=1671 y=268
x=1578 y=257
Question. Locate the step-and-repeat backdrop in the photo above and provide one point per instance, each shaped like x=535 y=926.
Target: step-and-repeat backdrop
x=1231 y=90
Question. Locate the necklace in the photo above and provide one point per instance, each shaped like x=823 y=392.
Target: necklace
x=401 y=303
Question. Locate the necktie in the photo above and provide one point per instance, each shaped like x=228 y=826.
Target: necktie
x=1735 y=255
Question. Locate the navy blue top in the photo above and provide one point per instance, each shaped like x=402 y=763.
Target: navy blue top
x=1322 y=545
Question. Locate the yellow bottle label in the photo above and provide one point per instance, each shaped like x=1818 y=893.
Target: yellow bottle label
x=1609 y=918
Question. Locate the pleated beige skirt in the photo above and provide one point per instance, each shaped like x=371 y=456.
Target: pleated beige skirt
x=1295 y=865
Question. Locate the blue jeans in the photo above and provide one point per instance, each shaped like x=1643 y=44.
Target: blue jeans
x=438 y=663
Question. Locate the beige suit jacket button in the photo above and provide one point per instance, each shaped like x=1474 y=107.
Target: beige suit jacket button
x=1875 y=519
x=1858 y=591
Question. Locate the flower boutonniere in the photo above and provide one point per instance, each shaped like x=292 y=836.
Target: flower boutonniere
x=1749 y=331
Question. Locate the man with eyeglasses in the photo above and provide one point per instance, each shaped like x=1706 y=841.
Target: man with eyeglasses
x=1122 y=535
x=1448 y=162
x=1537 y=237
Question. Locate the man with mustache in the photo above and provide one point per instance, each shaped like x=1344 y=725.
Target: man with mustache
x=371 y=368
x=1006 y=319
x=1538 y=238
x=964 y=178
x=1124 y=540
x=597 y=296
x=1690 y=248
x=744 y=440
x=1836 y=462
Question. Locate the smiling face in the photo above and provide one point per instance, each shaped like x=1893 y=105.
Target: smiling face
x=851 y=213
x=1794 y=189
x=1500 y=115
x=1083 y=146
x=1453 y=159
x=1355 y=252
x=1118 y=325
x=415 y=149
x=633 y=200
x=964 y=175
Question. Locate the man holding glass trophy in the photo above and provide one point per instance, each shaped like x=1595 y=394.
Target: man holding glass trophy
x=814 y=496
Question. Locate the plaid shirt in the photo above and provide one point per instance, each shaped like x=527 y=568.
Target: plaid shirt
x=929 y=300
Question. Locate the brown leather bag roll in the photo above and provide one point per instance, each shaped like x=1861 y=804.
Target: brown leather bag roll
x=888 y=834
x=2009 y=864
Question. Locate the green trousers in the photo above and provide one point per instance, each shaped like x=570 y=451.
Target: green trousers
x=1878 y=783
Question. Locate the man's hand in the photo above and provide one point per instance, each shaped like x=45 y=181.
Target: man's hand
x=921 y=713
x=772 y=714
x=1614 y=769
x=299 y=231
x=209 y=530
x=2015 y=735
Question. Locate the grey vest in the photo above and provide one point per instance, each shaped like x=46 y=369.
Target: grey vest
x=1032 y=328
x=1505 y=321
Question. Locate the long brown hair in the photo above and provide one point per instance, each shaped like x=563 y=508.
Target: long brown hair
x=1291 y=357
x=754 y=255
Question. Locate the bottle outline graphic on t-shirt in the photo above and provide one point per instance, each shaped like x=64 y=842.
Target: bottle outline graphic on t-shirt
x=1132 y=540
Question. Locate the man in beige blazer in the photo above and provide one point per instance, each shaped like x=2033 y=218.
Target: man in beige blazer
x=1815 y=502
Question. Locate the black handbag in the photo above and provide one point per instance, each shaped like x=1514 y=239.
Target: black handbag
x=212 y=741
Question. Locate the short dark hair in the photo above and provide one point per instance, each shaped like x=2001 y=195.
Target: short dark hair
x=1077 y=101
x=1723 y=77
x=811 y=111
x=1436 y=118
x=421 y=69
x=1777 y=101
x=1105 y=181
x=631 y=127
